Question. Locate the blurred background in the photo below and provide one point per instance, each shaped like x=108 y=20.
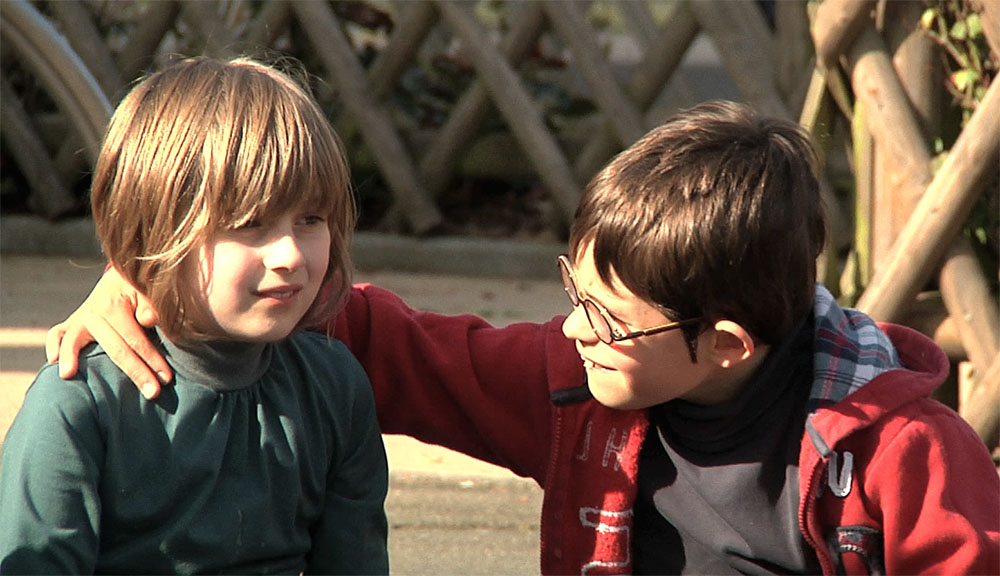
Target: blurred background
x=473 y=126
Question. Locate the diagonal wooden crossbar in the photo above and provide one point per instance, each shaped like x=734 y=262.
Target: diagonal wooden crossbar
x=395 y=163
x=516 y=106
x=938 y=203
x=45 y=51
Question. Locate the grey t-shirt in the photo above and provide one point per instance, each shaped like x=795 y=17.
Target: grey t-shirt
x=719 y=486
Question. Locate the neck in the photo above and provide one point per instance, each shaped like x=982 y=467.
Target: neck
x=221 y=365
x=726 y=382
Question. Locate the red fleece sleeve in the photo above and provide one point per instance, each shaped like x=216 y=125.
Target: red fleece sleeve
x=940 y=497
x=458 y=381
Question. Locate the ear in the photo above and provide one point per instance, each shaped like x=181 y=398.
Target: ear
x=732 y=344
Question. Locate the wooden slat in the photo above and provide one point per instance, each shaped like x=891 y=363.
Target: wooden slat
x=940 y=214
x=47 y=191
x=53 y=61
x=741 y=37
x=81 y=33
x=204 y=20
x=439 y=164
x=380 y=136
x=270 y=22
x=140 y=47
x=970 y=303
x=891 y=118
x=577 y=34
x=521 y=113
x=836 y=25
x=662 y=55
x=980 y=410
x=414 y=25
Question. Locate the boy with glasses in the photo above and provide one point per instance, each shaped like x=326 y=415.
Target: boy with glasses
x=711 y=409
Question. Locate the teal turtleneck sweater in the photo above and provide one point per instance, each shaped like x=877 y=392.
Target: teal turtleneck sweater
x=261 y=458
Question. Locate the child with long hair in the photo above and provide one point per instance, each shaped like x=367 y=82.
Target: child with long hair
x=223 y=196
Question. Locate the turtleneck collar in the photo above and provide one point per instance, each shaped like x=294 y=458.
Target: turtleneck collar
x=222 y=365
x=765 y=397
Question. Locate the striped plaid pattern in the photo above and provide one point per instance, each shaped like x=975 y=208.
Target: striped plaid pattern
x=850 y=351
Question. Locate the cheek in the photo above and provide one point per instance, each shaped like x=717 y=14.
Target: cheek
x=316 y=251
x=226 y=269
x=648 y=374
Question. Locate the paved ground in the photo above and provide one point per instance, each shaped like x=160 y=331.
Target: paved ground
x=449 y=514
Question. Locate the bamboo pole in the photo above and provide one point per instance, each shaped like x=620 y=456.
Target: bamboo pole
x=939 y=215
x=982 y=409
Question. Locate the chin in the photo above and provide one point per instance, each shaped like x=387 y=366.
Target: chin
x=263 y=336
x=613 y=395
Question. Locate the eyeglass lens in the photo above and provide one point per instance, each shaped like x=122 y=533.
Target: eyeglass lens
x=598 y=323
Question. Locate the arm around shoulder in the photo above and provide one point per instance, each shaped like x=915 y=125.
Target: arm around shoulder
x=460 y=382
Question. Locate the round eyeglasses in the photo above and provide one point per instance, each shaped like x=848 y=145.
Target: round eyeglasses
x=598 y=316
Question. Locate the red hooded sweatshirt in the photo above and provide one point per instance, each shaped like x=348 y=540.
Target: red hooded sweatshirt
x=890 y=480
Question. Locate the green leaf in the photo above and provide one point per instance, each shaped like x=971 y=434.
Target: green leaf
x=959 y=31
x=981 y=235
x=964 y=78
x=975 y=26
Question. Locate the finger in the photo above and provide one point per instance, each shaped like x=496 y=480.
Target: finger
x=52 y=340
x=139 y=343
x=123 y=349
x=72 y=342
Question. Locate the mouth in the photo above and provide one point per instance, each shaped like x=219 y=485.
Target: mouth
x=594 y=366
x=282 y=294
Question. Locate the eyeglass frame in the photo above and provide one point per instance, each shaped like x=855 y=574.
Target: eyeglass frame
x=569 y=286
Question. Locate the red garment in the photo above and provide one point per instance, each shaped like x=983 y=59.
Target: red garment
x=920 y=475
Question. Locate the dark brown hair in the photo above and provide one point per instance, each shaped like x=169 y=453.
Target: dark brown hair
x=715 y=214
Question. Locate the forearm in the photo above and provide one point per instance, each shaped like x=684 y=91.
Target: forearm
x=459 y=382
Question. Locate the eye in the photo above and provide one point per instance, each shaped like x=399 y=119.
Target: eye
x=311 y=220
x=248 y=225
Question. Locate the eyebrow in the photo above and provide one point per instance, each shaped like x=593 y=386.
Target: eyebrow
x=609 y=311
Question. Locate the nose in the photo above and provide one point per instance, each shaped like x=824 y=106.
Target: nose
x=283 y=252
x=577 y=327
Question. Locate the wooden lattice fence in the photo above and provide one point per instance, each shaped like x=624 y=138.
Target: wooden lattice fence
x=862 y=75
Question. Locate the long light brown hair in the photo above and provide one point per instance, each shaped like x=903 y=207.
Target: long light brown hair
x=205 y=146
